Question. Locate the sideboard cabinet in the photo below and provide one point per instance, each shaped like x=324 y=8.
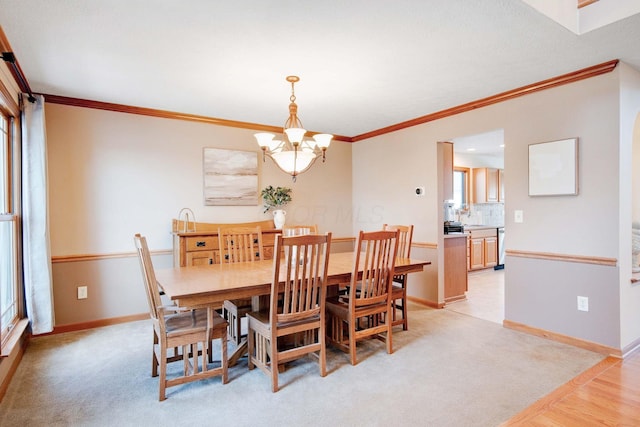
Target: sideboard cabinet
x=196 y=243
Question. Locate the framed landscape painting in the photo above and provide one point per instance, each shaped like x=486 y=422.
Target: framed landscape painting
x=230 y=177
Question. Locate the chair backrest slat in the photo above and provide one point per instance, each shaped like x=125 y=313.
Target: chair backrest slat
x=376 y=258
x=405 y=238
x=300 y=272
x=149 y=277
x=240 y=244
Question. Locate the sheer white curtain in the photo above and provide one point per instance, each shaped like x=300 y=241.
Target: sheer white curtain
x=35 y=218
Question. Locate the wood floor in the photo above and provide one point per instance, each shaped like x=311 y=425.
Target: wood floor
x=608 y=394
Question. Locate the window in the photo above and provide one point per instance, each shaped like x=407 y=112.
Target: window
x=9 y=278
x=461 y=188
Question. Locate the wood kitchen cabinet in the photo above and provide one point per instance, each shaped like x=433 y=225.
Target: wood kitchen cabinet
x=483 y=248
x=455 y=267
x=199 y=247
x=445 y=150
x=476 y=253
x=486 y=185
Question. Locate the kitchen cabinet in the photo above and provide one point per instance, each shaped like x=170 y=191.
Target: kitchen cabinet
x=455 y=270
x=486 y=185
x=501 y=185
x=445 y=150
x=483 y=248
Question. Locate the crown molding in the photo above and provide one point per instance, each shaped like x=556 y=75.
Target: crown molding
x=164 y=114
x=574 y=76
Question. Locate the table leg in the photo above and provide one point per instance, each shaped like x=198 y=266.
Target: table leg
x=240 y=351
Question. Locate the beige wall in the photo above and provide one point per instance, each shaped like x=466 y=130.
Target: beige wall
x=112 y=175
x=541 y=294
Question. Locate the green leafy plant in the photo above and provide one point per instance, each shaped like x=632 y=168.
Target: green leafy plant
x=275 y=197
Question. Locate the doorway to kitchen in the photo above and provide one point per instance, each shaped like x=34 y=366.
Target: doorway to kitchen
x=480 y=199
x=485 y=296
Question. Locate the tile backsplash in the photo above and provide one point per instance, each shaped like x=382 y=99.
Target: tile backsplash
x=484 y=214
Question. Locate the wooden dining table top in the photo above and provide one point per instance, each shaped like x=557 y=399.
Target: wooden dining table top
x=212 y=284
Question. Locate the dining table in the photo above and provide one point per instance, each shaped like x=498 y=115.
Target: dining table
x=210 y=285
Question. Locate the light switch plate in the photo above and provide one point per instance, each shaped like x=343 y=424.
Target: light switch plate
x=518 y=216
x=583 y=303
x=82 y=292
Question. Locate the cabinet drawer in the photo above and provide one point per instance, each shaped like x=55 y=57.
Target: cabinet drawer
x=489 y=232
x=202 y=243
x=202 y=258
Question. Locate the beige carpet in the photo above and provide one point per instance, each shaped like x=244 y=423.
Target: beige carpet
x=449 y=369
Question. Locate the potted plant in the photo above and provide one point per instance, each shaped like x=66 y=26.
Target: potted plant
x=276 y=198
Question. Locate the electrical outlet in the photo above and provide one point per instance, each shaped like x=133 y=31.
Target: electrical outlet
x=583 y=303
x=82 y=292
x=518 y=216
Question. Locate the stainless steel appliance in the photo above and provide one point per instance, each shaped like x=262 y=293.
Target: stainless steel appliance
x=500 y=249
x=453 y=228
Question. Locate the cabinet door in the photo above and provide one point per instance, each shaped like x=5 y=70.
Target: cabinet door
x=501 y=185
x=200 y=258
x=485 y=185
x=455 y=272
x=490 y=251
x=479 y=185
x=492 y=185
x=477 y=254
x=446 y=152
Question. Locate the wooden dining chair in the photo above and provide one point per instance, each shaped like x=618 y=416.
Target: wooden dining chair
x=190 y=331
x=365 y=311
x=239 y=244
x=296 y=309
x=399 y=289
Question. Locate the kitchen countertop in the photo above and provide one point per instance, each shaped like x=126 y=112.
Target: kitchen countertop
x=454 y=235
x=482 y=227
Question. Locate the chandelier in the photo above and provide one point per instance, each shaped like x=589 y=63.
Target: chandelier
x=293 y=154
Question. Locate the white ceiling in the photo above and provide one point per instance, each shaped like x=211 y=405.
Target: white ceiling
x=364 y=64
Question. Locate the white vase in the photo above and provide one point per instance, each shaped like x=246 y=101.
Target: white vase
x=278 y=218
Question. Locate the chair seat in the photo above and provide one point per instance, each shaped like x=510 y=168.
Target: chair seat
x=191 y=321
x=263 y=317
x=339 y=305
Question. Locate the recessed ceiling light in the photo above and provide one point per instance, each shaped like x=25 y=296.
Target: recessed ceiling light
x=501 y=145
x=471 y=149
